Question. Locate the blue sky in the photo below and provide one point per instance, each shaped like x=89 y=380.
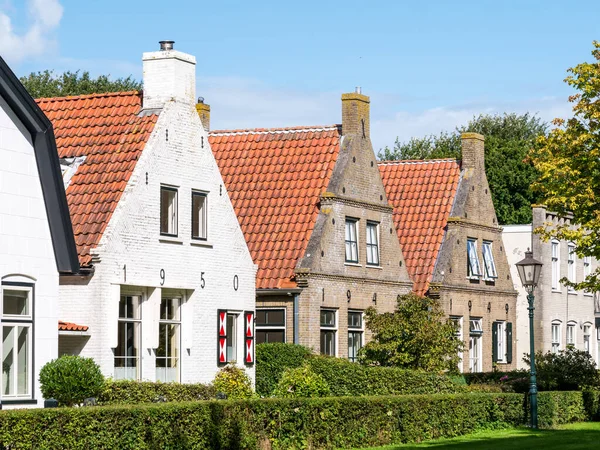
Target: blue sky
x=428 y=66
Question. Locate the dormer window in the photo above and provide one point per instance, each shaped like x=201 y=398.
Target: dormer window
x=199 y=228
x=473 y=267
x=168 y=211
x=488 y=260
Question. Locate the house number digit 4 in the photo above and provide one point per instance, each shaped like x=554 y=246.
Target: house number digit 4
x=162 y=277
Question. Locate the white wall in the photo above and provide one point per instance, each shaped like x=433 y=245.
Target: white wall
x=132 y=239
x=26 y=252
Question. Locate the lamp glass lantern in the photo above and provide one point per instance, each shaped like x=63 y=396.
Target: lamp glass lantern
x=529 y=271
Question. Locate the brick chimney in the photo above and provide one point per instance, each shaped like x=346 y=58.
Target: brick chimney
x=168 y=75
x=204 y=112
x=473 y=151
x=355 y=114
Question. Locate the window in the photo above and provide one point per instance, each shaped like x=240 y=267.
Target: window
x=355 y=334
x=555 y=265
x=555 y=337
x=328 y=332
x=127 y=353
x=168 y=211
x=587 y=266
x=231 y=337
x=473 y=267
x=351 y=241
x=458 y=323
x=587 y=331
x=572 y=268
x=488 y=259
x=570 y=335
x=199 y=228
x=270 y=325
x=475 y=334
x=17 y=326
x=372 y=243
x=169 y=332
x=499 y=342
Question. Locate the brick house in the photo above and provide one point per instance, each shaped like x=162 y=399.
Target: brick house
x=166 y=289
x=36 y=243
x=563 y=316
x=318 y=224
x=452 y=243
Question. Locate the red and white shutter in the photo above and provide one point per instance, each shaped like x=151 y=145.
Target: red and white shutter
x=222 y=337
x=249 y=337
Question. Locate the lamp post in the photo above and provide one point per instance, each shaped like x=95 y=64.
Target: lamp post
x=529 y=272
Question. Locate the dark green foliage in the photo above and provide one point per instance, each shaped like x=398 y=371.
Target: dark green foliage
x=272 y=360
x=135 y=392
x=567 y=370
x=508 y=139
x=346 y=378
x=513 y=381
x=415 y=336
x=71 y=379
x=50 y=84
x=301 y=382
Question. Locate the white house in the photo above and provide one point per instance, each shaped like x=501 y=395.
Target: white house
x=36 y=242
x=166 y=289
x=563 y=316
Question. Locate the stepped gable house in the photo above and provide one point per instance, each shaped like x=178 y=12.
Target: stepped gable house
x=167 y=285
x=452 y=244
x=318 y=224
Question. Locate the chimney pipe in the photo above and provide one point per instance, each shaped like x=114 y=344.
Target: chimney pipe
x=166 y=45
x=358 y=90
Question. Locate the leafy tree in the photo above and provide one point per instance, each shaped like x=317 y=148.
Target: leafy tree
x=414 y=336
x=568 y=161
x=508 y=139
x=50 y=84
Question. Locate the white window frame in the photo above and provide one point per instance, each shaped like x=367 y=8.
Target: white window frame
x=20 y=321
x=587 y=338
x=202 y=219
x=232 y=337
x=329 y=328
x=488 y=261
x=473 y=265
x=173 y=219
x=587 y=270
x=351 y=242
x=122 y=321
x=572 y=267
x=475 y=344
x=372 y=247
x=356 y=330
x=556 y=336
x=459 y=335
x=283 y=327
x=555 y=246
x=501 y=341
x=176 y=323
x=571 y=334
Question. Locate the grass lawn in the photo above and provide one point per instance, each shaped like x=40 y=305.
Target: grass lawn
x=568 y=437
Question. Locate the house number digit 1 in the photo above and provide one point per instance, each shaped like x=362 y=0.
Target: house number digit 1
x=124 y=273
x=236 y=282
x=162 y=276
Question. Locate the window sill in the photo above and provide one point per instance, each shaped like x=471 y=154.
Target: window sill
x=170 y=240
x=18 y=401
x=372 y=266
x=556 y=291
x=572 y=292
x=201 y=244
x=588 y=294
x=351 y=264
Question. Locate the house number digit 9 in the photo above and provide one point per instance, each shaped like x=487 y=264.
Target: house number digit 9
x=162 y=277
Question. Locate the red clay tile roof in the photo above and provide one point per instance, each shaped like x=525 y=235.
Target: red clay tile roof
x=422 y=193
x=106 y=129
x=275 y=178
x=68 y=326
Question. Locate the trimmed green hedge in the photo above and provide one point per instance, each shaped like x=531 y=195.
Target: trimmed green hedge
x=272 y=360
x=136 y=392
x=286 y=423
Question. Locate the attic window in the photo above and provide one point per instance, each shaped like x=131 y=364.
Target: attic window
x=488 y=259
x=473 y=267
x=68 y=167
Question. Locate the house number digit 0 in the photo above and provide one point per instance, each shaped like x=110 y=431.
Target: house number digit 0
x=162 y=277
x=236 y=282
x=202 y=282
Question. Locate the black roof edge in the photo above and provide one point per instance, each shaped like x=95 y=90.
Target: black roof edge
x=46 y=155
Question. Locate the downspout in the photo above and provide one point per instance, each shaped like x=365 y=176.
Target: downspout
x=296 y=319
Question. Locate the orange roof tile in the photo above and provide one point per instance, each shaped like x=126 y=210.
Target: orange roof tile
x=68 y=326
x=275 y=178
x=106 y=129
x=422 y=194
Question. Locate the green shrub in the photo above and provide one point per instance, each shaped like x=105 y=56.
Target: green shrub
x=233 y=382
x=346 y=378
x=126 y=392
x=513 y=381
x=559 y=407
x=71 y=379
x=272 y=360
x=301 y=382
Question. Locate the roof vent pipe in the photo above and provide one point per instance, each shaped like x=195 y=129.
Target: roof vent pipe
x=166 y=45
x=358 y=90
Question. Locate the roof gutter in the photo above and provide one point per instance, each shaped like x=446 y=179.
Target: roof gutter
x=277 y=291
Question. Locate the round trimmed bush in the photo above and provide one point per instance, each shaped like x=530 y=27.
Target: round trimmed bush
x=71 y=379
x=233 y=382
x=301 y=382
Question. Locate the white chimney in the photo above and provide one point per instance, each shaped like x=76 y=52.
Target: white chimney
x=168 y=75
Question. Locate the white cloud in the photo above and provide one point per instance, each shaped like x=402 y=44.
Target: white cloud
x=44 y=18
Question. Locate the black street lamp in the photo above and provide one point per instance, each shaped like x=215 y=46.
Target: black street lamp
x=529 y=272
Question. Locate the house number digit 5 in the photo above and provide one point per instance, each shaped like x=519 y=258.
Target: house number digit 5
x=162 y=277
x=202 y=282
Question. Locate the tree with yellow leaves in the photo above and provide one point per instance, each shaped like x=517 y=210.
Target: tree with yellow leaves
x=568 y=161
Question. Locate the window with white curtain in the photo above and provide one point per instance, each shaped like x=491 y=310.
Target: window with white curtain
x=351 y=240
x=372 y=243
x=556 y=337
x=169 y=339
x=555 y=265
x=128 y=350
